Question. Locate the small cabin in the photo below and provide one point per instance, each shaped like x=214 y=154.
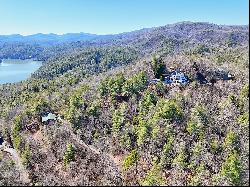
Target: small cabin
x=48 y=118
x=221 y=74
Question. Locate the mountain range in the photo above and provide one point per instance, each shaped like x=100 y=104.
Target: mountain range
x=176 y=30
x=47 y=38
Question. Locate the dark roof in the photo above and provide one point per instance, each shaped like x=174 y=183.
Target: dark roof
x=201 y=78
x=1 y=140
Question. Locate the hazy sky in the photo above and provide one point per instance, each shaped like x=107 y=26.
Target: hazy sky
x=113 y=16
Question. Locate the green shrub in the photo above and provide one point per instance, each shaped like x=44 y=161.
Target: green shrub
x=191 y=127
x=160 y=88
x=169 y=110
x=153 y=177
x=94 y=109
x=26 y=155
x=199 y=114
x=231 y=168
x=121 y=86
x=118 y=119
x=103 y=88
x=230 y=140
x=38 y=104
x=149 y=101
x=196 y=129
x=16 y=130
x=112 y=86
x=130 y=160
x=180 y=159
x=142 y=133
x=69 y=154
x=158 y=67
x=142 y=128
x=17 y=125
x=196 y=125
x=197 y=148
x=244 y=119
x=195 y=180
x=115 y=85
x=214 y=144
x=135 y=84
x=155 y=132
x=68 y=113
x=244 y=93
x=126 y=138
x=168 y=146
x=17 y=142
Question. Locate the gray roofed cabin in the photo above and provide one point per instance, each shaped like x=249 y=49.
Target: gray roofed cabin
x=48 y=118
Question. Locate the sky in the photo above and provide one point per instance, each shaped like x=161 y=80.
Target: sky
x=113 y=16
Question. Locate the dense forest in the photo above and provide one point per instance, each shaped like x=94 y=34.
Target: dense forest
x=113 y=126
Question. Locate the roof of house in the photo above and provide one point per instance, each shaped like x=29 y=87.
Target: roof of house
x=201 y=78
x=50 y=116
x=177 y=76
x=1 y=140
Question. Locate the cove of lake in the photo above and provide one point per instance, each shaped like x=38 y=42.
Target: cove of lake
x=15 y=70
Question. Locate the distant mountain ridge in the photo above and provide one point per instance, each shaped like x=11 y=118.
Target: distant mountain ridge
x=183 y=28
x=166 y=39
x=54 y=38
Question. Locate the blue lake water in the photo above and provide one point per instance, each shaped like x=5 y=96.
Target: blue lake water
x=12 y=70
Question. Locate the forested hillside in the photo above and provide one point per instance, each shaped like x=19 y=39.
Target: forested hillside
x=113 y=126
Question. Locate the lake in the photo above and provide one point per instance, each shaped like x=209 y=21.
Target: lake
x=15 y=70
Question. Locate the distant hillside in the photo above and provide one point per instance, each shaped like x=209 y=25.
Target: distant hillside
x=47 y=38
x=166 y=39
x=195 y=30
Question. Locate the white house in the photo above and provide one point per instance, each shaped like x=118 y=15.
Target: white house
x=176 y=77
x=50 y=116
